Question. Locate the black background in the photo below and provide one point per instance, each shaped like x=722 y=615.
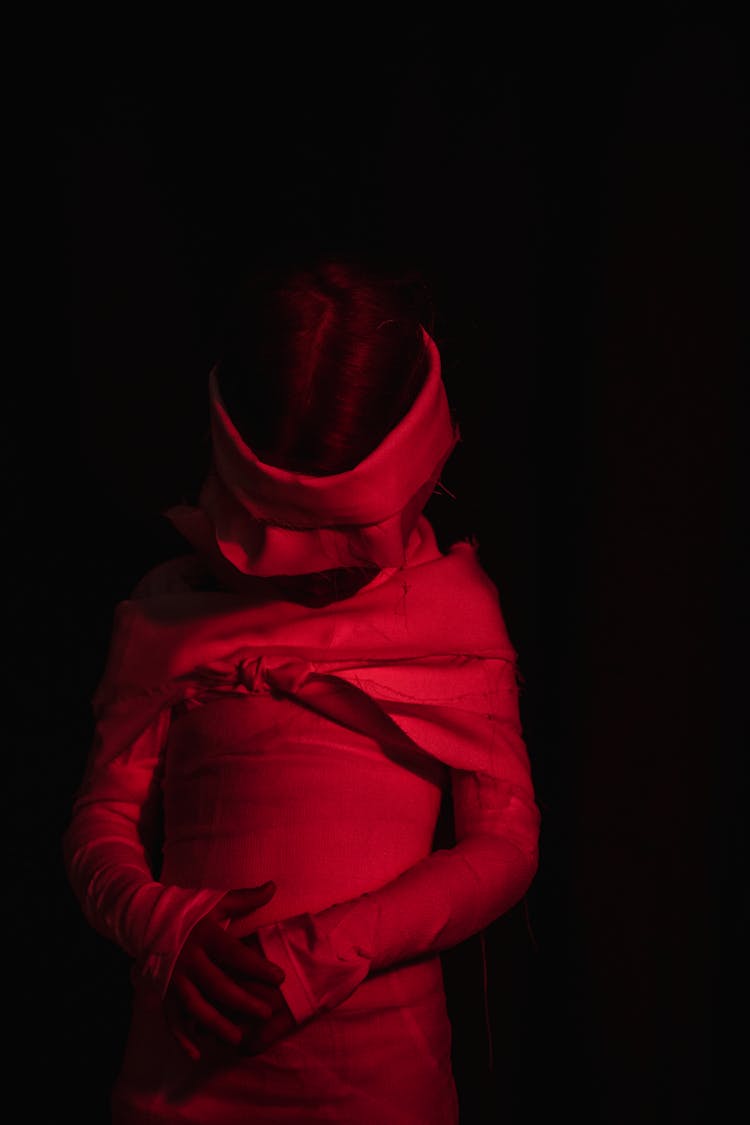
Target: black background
x=574 y=189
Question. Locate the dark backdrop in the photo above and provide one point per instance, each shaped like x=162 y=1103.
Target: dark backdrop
x=574 y=192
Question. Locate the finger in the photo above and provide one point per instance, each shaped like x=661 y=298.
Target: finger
x=207 y=1016
x=272 y=995
x=175 y=1025
x=188 y=1046
x=222 y=990
x=247 y=899
x=232 y=954
x=261 y=1037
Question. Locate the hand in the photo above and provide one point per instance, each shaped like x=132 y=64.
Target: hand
x=219 y=981
x=261 y=1033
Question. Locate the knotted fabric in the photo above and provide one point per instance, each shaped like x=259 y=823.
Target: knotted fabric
x=410 y=660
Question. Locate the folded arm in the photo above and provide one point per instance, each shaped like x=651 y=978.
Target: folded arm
x=439 y=902
x=106 y=849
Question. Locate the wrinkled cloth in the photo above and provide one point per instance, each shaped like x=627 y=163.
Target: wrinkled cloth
x=253 y=518
x=311 y=747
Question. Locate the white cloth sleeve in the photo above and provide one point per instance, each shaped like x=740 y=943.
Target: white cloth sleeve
x=106 y=848
x=439 y=902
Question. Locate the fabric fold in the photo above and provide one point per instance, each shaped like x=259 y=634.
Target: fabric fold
x=256 y=519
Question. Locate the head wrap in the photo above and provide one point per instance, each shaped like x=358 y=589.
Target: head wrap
x=258 y=520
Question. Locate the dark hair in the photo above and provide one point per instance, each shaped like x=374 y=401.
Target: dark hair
x=317 y=362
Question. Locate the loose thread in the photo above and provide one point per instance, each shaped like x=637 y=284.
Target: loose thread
x=487 y=1023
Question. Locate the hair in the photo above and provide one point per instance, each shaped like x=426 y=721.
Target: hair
x=318 y=362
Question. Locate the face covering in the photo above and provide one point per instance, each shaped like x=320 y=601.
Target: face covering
x=254 y=520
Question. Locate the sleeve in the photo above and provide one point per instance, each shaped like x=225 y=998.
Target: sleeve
x=109 y=841
x=447 y=897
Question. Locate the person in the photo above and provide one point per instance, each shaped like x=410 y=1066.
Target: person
x=282 y=711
